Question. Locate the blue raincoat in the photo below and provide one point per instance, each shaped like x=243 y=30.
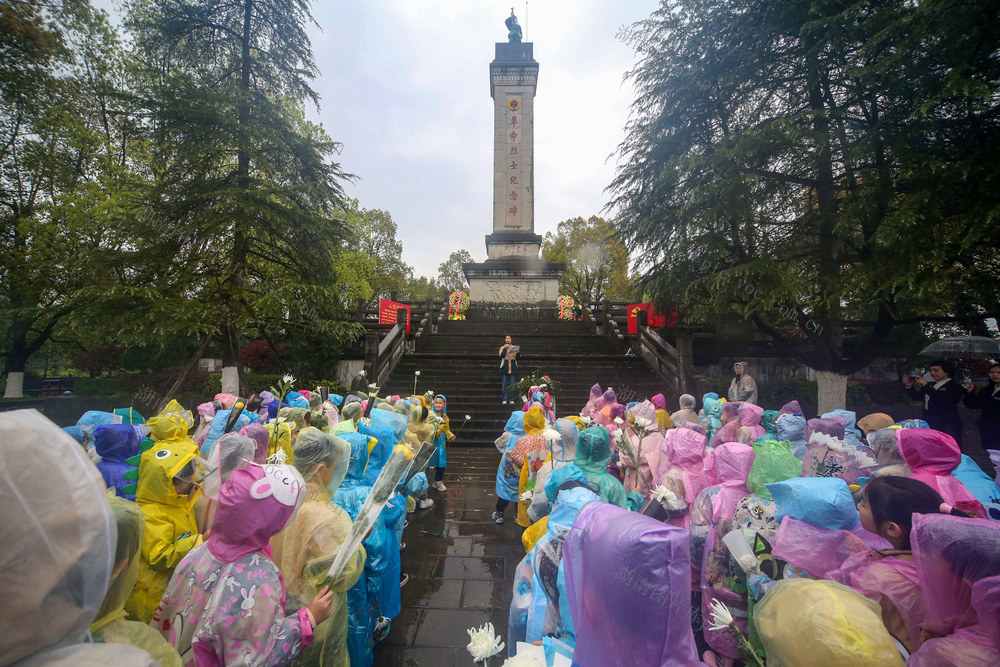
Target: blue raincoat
x=361 y=615
x=793 y=429
x=393 y=517
x=852 y=436
x=218 y=427
x=440 y=458
x=508 y=474
x=540 y=606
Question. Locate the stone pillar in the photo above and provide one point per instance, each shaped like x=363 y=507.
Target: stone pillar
x=512 y=271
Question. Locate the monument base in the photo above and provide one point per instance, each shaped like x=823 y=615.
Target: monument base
x=514 y=280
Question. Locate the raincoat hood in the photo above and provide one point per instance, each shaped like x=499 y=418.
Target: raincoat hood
x=314 y=447
x=750 y=414
x=567 y=506
x=645 y=410
x=295 y=415
x=659 y=401
x=564 y=449
x=733 y=462
x=167 y=427
x=391 y=420
x=116 y=442
x=51 y=594
x=929 y=450
x=791 y=408
x=258 y=433
x=515 y=427
x=359 y=458
x=953 y=555
x=730 y=411
x=886 y=446
x=712 y=406
x=130 y=522
x=255 y=504
x=157 y=468
x=686 y=449
x=791 y=427
x=744 y=366
x=834 y=426
x=229 y=452
x=593 y=451
x=352 y=410
x=534 y=420
x=769 y=422
x=687 y=402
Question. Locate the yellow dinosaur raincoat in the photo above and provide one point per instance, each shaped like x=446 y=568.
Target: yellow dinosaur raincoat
x=171 y=529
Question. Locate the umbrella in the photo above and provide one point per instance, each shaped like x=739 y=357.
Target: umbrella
x=964 y=347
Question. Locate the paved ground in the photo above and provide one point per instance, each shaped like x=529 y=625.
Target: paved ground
x=461 y=568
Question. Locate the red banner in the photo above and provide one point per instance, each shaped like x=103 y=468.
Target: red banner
x=656 y=318
x=387 y=312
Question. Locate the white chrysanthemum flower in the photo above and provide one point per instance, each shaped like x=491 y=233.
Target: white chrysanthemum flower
x=366 y=421
x=525 y=497
x=543 y=386
x=642 y=422
x=748 y=563
x=664 y=495
x=468 y=417
x=551 y=434
x=619 y=421
x=288 y=378
x=722 y=619
x=587 y=421
x=372 y=387
x=280 y=420
x=484 y=643
x=362 y=372
x=524 y=660
x=278 y=458
x=416 y=372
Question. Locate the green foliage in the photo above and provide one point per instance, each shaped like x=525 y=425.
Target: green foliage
x=536 y=379
x=802 y=165
x=451 y=277
x=596 y=260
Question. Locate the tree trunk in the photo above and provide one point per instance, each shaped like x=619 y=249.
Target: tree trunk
x=231 y=380
x=15 y=385
x=831 y=391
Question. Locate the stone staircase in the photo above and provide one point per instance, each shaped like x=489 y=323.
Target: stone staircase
x=461 y=361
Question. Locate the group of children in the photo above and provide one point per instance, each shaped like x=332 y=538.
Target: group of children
x=235 y=544
x=737 y=533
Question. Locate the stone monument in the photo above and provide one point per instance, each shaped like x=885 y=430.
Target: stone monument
x=513 y=271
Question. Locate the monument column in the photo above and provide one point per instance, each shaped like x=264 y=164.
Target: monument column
x=513 y=271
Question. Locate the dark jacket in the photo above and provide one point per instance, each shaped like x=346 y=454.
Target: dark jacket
x=985 y=400
x=509 y=368
x=941 y=411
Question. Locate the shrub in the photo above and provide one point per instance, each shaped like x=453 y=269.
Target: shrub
x=100 y=361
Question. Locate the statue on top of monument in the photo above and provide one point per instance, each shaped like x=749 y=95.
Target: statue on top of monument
x=515 y=28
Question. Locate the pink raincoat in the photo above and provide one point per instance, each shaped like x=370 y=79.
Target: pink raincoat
x=958 y=562
x=932 y=455
x=711 y=518
x=651 y=443
x=592 y=406
x=683 y=468
x=730 y=424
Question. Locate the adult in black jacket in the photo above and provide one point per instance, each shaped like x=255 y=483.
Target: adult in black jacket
x=941 y=398
x=987 y=399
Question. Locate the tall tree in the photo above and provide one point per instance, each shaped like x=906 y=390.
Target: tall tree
x=808 y=164
x=245 y=196
x=64 y=134
x=596 y=260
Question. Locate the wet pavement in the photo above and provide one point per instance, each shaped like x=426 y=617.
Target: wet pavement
x=461 y=567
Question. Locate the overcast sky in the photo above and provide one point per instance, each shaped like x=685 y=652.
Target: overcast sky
x=404 y=85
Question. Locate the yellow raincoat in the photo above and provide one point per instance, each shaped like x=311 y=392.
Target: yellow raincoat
x=171 y=529
x=110 y=625
x=534 y=423
x=172 y=429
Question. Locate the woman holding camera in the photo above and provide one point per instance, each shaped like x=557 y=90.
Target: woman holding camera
x=940 y=398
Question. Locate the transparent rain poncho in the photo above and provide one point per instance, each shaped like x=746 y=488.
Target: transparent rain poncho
x=229 y=452
x=305 y=549
x=111 y=626
x=56 y=563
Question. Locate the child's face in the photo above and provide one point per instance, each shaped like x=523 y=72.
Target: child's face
x=439 y=404
x=182 y=487
x=865 y=512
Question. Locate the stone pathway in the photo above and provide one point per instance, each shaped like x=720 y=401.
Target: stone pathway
x=461 y=568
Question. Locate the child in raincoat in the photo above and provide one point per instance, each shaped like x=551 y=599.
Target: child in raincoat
x=111 y=626
x=116 y=444
x=528 y=455
x=225 y=603
x=683 y=470
x=165 y=492
x=442 y=436
x=593 y=452
x=642 y=419
x=305 y=549
x=687 y=413
x=508 y=474
x=563 y=454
